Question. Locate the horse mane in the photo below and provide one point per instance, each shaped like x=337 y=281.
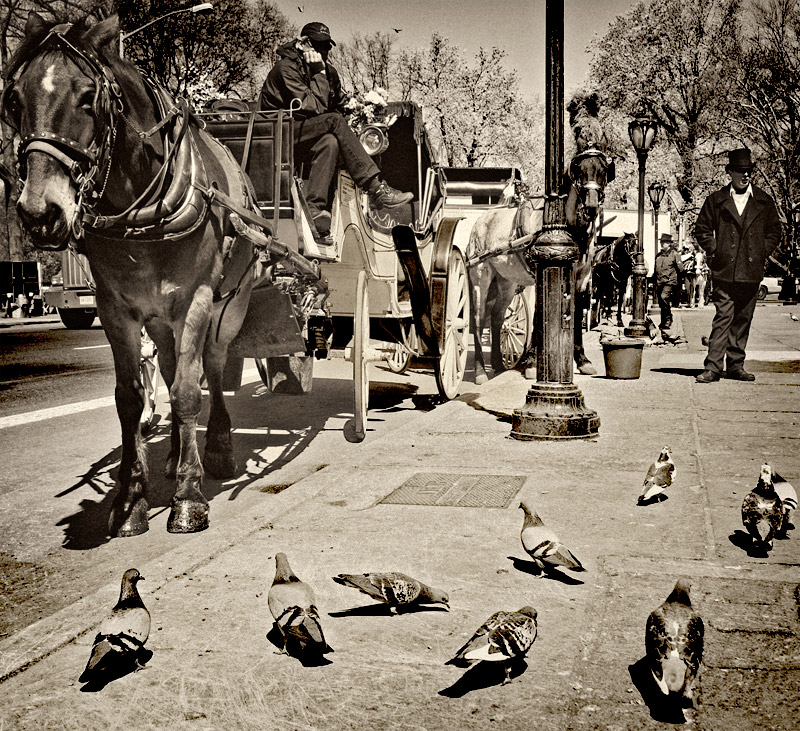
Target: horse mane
x=583 y=112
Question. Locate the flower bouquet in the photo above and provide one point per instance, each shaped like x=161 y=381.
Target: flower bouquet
x=368 y=108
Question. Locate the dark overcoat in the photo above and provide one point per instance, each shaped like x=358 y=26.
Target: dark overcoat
x=737 y=247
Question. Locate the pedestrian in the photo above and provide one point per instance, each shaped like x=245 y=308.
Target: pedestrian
x=9 y=303
x=738 y=228
x=321 y=132
x=22 y=304
x=697 y=295
x=667 y=268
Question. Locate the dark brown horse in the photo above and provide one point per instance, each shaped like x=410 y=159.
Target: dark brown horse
x=612 y=267
x=109 y=161
x=493 y=263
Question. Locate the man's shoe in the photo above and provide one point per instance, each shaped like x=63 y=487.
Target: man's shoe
x=707 y=377
x=739 y=374
x=384 y=196
x=321 y=220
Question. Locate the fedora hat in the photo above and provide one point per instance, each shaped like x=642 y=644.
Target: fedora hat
x=740 y=160
x=666 y=238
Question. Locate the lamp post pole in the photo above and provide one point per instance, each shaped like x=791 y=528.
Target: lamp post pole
x=554 y=407
x=656 y=192
x=197 y=8
x=642 y=132
x=789 y=288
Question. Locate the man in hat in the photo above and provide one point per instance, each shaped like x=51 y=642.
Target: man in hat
x=667 y=267
x=738 y=228
x=321 y=132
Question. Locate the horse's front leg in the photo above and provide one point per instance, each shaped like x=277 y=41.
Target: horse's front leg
x=479 y=280
x=163 y=337
x=582 y=305
x=189 y=507
x=218 y=457
x=129 y=510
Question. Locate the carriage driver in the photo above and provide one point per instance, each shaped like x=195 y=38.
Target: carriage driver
x=321 y=132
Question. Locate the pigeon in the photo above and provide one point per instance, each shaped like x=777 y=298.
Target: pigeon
x=122 y=633
x=294 y=610
x=504 y=637
x=674 y=643
x=542 y=544
x=794 y=317
x=395 y=589
x=704 y=340
x=761 y=510
x=659 y=477
x=788 y=496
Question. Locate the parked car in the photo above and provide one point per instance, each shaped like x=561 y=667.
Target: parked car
x=769 y=285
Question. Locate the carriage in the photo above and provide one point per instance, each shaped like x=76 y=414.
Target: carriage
x=393 y=286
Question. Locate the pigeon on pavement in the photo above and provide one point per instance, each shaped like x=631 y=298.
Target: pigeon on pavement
x=794 y=317
x=761 y=510
x=674 y=644
x=788 y=497
x=659 y=477
x=122 y=633
x=293 y=607
x=543 y=545
x=395 y=589
x=504 y=637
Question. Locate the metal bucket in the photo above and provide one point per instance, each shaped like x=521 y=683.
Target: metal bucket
x=623 y=357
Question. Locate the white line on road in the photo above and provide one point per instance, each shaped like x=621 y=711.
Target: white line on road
x=30 y=417
x=92 y=347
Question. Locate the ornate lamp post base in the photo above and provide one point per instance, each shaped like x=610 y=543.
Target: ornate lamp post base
x=554 y=411
x=637 y=327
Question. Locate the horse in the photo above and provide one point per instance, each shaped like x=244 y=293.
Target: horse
x=612 y=267
x=495 y=251
x=110 y=161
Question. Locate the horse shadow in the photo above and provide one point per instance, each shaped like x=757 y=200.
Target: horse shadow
x=484 y=675
x=661 y=708
x=87 y=527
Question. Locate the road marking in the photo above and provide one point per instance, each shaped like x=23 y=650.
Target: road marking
x=30 y=417
x=92 y=347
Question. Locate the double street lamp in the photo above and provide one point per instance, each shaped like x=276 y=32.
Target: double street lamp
x=642 y=131
x=198 y=8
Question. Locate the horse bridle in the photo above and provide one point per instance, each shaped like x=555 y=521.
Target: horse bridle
x=574 y=167
x=84 y=164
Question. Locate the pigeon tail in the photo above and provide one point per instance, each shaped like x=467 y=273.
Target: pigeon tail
x=531 y=518
x=283 y=572
x=304 y=627
x=564 y=557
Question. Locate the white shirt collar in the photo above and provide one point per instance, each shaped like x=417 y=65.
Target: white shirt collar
x=748 y=191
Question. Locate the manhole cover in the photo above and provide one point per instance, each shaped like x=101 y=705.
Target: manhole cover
x=461 y=491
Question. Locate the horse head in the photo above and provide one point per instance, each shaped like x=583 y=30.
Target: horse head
x=63 y=99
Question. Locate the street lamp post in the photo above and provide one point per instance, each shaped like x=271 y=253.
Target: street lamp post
x=642 y=132
x=554 y=407
x=198 y=8
x=656 y=192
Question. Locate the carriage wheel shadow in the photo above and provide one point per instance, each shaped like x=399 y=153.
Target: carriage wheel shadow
x=87 y=528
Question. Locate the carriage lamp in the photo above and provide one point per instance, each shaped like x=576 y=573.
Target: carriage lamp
x=656 y=192
x=374 y=139
x=642 y=131
x=196 y=8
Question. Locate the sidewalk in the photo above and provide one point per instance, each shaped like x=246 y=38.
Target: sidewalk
x=213 y=668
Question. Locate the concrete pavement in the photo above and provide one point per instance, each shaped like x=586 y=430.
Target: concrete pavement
x=213 y=667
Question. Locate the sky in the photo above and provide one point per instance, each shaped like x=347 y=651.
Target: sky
x=516 y=26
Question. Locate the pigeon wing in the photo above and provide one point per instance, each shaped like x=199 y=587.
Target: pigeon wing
x=478 y=640
x=391 y=588
x=303 y=626
x=122 y=634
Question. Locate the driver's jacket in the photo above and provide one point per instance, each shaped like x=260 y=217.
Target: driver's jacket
x=289 y=79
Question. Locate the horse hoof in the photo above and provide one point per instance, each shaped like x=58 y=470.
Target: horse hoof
x=133 y=525
x=220 y=465
x=587 y=369
x=187 y=516
x=481 y=378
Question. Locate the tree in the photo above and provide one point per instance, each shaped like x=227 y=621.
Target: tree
x=768 y=108
x=676 y=60
x=364 y=62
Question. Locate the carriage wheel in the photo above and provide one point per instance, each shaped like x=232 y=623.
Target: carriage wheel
x=356 y=428
x=452 y=361
x=515 y=332
x=148 y=367
x=401 y=359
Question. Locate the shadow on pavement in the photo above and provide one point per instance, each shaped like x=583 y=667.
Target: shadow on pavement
x=384 y=610
x=678 y=371
x=117 y=671
x=745 y=541
x=483 y=675
x=661 y=709
x=532 y=568
x=307 y=660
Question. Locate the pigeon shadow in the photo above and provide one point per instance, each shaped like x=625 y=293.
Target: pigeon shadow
x=660 y=707
x=484 y=675
x=745 y=541
x=117 y=671
x=532 y=568
x=384 y=610
x=306 y=659
x=655 y=499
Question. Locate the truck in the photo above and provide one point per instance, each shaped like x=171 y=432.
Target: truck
x=74 y=297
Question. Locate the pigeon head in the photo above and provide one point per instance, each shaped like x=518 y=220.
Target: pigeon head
x=765 y=484
x=665 y=454
x=680 y=594
x=528 y=611
x=531 y=518
x=131 y=576
x=437 y=596
x=283 y=572
x=127 y=589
